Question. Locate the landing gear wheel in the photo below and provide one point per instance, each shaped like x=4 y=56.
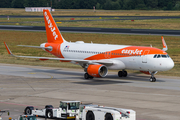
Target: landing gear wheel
x=152 y=79
x=120 y=73
x=86 y=76
x=124 y=73
x=91 y=77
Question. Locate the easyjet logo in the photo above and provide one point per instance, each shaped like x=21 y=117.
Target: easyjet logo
x=131 y=51
x=51 y=27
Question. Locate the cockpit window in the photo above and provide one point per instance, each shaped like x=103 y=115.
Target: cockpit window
x=158 y=56
x=161 y=56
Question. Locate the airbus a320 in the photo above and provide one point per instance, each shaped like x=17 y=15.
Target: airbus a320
x=97 y=59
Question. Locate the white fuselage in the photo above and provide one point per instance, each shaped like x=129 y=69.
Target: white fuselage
x=134 y=60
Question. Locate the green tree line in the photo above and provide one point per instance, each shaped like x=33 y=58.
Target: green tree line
x=99 y=4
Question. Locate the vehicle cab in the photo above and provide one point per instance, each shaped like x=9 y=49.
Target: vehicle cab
x=69 y=109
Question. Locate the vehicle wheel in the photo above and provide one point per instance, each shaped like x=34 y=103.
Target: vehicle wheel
x=108 y=117
x=86 y=76
x=49 y=114
x=90 y=116
x=124 y=73
x=120 y=74
x=49 y=106
x=28 y=110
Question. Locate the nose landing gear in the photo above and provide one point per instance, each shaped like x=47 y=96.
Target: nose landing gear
x=152 y=78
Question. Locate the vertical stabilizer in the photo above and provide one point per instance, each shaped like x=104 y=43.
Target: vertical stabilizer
x=52 y=31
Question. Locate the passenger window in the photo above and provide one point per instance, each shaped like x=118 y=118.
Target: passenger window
x=168 y=56
x=158 y=56
x=155 y=56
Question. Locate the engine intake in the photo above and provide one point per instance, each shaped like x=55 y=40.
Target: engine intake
x=97 y=70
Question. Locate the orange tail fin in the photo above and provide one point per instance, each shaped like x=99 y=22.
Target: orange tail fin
x=52 y=31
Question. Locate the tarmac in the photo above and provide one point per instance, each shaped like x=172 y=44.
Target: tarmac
x=22 y=85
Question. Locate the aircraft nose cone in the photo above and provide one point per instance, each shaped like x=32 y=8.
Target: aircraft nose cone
x=170 y=64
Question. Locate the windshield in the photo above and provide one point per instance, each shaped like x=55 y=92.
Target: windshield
x=63 y=105
x=73 y=106
x=161 y=56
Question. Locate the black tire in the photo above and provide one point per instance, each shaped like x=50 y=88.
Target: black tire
x=49 y=114
x=124 y=73
x=108 y=116
x=91 y=77
x=152 y=79
x=28 y=110
x=49 y=106
x=120 y=73
x=90 y=116
x=86 y=76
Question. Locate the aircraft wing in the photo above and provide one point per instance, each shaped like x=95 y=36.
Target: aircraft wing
x=48 y=48
x=62 y=59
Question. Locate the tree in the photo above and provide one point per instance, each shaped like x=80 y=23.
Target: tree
x=5 y=3
x=177 y=6
x=98 y=6
x=17 y=3
x=152 y=4
x=129 y=4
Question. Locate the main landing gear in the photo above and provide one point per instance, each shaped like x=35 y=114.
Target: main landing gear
x=122 y=73
x=87 y=76
x=152 y=78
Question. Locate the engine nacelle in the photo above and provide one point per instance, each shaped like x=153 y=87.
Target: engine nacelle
x=97 y=70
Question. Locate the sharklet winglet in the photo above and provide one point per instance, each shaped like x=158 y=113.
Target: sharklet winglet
x=8 y=50
x=165 y=48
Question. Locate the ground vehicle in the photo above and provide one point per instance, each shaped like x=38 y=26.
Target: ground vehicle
x=27 y=117
x=66 y=110
x=95 y=112
x=75 y=110
x=4 y=111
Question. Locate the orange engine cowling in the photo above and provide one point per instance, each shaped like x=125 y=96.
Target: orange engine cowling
x=97 y=70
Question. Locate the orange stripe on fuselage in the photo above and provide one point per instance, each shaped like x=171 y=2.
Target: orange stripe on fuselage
x=126 y=52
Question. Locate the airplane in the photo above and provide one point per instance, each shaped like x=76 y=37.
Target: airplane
x=97 y=59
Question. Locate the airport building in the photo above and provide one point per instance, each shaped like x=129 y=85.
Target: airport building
x=37 y=9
